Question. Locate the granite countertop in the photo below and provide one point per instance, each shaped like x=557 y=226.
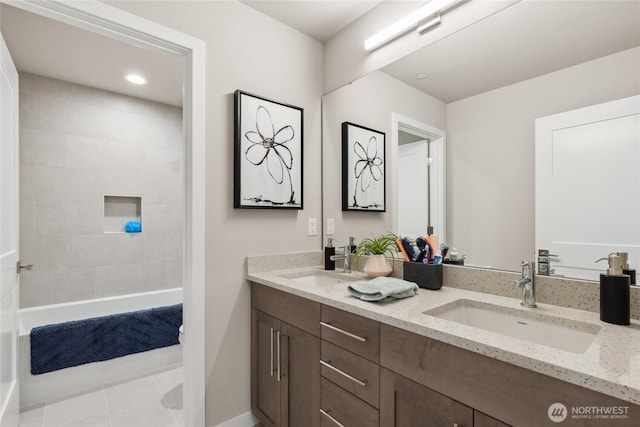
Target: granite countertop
x=610 y=365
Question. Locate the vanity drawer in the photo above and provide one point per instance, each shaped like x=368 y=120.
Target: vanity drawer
x=297 y=311
x=352 y=332
x=353 y=373
x=339 y=407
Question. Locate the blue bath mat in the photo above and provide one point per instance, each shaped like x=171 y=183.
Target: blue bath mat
x=78 y=342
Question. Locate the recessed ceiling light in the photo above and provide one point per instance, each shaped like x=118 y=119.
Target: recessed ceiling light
x=136 y=79
x=421 y=76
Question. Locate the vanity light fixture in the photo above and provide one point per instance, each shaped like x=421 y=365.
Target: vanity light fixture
x=429 y=24
x=405 y=24
x=136 y=79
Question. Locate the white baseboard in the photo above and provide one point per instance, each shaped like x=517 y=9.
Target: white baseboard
x=244 y=420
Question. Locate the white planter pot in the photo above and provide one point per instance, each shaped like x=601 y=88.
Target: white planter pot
x=376 y=266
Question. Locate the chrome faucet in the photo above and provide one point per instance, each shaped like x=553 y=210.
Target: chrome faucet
x=347 y=255
x=528 y=285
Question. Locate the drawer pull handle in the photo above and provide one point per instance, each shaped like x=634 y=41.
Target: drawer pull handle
x=279 y=362
x=342 y=331
x=336 y=422
x=343 y=373
x=271 y=351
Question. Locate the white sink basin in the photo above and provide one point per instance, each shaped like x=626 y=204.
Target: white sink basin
x=556 y=332
x=320 y=278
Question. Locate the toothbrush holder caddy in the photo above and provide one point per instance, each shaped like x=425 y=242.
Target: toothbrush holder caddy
x=427 y=276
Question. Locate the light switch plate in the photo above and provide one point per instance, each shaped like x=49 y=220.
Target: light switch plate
x=313 y=227
x=330 y=227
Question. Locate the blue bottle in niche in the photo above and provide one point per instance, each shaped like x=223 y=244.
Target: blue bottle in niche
x=133 y=227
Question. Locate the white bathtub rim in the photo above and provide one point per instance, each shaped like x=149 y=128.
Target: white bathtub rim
x=165 y=296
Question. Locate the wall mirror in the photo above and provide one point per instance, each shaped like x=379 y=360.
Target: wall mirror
x=484 y=87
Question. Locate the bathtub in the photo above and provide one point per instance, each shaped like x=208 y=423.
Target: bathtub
x=37 y=389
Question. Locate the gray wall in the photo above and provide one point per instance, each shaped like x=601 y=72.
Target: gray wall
x=490 y=154
x=78 y=144
x=250 y=51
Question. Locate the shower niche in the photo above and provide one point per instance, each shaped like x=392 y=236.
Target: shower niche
x=119 y=210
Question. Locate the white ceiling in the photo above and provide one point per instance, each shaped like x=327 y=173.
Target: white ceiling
x=43 y=46
x=525 y=40
x=528 y=39
x=319 y=19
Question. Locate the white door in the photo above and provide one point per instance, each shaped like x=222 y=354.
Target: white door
x=9 y=251
x=588 y=186
x=413 y=182
x=421 y=188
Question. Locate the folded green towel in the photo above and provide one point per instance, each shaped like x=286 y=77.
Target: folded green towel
x=382 y=289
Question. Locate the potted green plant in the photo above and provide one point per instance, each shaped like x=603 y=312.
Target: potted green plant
x=378 y=248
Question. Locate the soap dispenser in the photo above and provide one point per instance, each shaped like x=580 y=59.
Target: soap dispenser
x=631 y=272
x=329 y=251
x=615 y=303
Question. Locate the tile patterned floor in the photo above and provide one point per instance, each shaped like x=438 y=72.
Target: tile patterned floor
x=153 y=401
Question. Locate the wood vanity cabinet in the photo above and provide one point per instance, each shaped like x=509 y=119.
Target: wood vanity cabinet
x=313 y=365
x=406 y=403
x=484 y=420
x=285 y=350
x=485 y=386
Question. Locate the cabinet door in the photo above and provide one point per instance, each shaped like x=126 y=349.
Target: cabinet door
x=266 y=380
x=404 y=403
x=484 y=420
x=300 y=364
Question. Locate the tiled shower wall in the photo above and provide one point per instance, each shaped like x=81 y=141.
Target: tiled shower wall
x=78 y=144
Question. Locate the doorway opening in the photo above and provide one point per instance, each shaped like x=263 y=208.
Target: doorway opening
x=418 y=151
x=105 y=20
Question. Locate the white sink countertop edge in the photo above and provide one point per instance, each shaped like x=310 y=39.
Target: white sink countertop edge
x=611 y=364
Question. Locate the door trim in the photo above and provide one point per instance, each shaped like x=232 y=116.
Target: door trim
x=9 y=256
x=438 y=139
x=109 y=21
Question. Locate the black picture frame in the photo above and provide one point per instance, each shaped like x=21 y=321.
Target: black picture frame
x=268 y=153
x=363 y=169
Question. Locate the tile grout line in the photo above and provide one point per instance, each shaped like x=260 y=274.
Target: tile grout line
x=106 y=402
x=44 y=414
x=175 y=423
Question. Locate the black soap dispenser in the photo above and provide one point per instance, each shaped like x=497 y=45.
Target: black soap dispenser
x=329 y=251
x=631 y=272
x=615 y=302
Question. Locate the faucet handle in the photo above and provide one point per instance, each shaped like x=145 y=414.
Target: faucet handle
x=527 y=268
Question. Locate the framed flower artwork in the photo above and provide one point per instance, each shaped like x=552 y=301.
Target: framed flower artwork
x=268 y=153
x=363 y=169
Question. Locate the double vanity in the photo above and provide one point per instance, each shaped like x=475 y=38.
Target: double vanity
x=447 y=357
